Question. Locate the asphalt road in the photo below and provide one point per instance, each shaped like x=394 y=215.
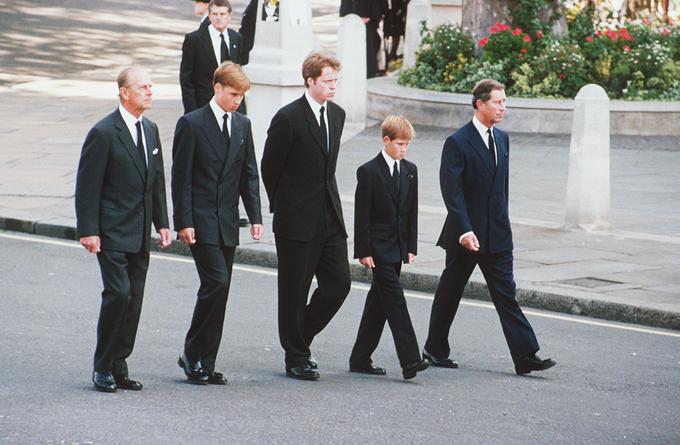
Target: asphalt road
x=614 y=383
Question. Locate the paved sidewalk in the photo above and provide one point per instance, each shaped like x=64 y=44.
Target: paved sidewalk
x=625 y=274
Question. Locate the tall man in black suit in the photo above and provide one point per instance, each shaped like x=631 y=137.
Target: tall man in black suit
x=203 y=50
x=120 y=191
x=298 y=171
x=213 y=164
x=385 y=235
x=474 y=184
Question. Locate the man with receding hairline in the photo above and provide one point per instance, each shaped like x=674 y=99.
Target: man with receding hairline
x=120 y=191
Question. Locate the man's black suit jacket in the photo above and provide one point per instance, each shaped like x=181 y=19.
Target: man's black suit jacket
x=386 y=219
x=116 y=198
x=199 y=64
x=207 y=180
x=297 y=172
x=475 y=194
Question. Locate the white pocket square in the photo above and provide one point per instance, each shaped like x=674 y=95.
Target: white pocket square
x=155 y=151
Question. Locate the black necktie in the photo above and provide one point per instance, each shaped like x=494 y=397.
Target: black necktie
x=395 y=176
x=324 y=136
x=224 y=51
x=225 y=131
x=492 y=148
x=140 y=143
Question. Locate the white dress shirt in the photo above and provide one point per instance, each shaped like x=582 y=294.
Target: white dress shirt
x=217 y=42
x=219 y=115
x=130 y=122
x=316 y=110
x=391 y=163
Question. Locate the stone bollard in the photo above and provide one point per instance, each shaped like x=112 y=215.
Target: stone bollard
x=351 y=92
x=418 y=11
x=588 y=188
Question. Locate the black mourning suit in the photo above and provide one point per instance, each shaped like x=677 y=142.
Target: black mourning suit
x=299 y=175
x=117 y=198
x=208 y=177
x=385 y=228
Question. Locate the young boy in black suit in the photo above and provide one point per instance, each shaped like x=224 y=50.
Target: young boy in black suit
x=385 y=235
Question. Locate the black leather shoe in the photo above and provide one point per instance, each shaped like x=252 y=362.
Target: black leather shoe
x=194 y=372
x=104 y=382
x=368 y=368
x=533 y=363
x=127 y=383
x=439 y=362
x=311 y=362
x=409 y=371
x=217 y=378
x=302 y=373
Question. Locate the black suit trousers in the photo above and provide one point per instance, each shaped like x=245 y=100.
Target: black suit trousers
x=214 y=266
x=326 y=257
x=124 y=277
x=385 y=301
x=498 y=272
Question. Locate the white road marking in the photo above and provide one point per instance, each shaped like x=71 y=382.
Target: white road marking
x=365 y=287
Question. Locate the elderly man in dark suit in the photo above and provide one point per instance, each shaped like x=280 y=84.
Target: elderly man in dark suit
x=474 y=176
x=213 y=164
x=120 y=191
x=202 y=51
x=298 y=171
x=385 y=235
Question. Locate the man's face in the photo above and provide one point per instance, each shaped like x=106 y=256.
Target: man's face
x=200 y=8
x=396 y=147
x=136 y=95
x=219 y=17
x=227 y=97
x=491 y=112
x=323 y=87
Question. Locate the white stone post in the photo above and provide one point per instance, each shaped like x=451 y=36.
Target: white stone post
x=351 y=92
x=275 y=66
x=588 y=186
x=418 y=10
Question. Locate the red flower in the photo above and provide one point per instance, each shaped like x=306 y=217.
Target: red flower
x=562 y=75
x=626 y=48
x=589 y=39
x=625 y=35
x=503 y=27
x=516 y=31
x=484 y=41
x=539 y=34
x=494 y=29
x=665 y=32
x=598 y=33
x=523 y=50
x=612 y=35
x=526 y=38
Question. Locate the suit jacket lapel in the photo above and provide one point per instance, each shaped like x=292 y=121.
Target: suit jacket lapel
x=314 y=127
x=233 y=48
x=403 y=184
x=207 y=45
x=151 y=146
x=387 y=178
x=124 y=136
x=479 y=147
x=212 y=131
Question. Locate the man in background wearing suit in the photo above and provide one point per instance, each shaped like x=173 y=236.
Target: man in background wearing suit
x=203 y=50
x=298 y=171
x=213 y=164
x=385 y=235
x=474 y=181
x=370 y=12
x=120 y=191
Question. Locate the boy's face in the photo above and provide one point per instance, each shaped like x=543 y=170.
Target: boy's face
x=396 y=147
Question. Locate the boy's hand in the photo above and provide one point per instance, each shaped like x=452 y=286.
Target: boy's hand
x=367 y=261
x=411 y=258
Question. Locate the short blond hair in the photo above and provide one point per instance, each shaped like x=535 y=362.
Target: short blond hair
x=315 y=62
x=230 y=74
x=397 y=127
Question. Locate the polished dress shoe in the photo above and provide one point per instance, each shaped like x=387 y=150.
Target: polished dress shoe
x=533 y=363
x=127 y=383
x=311 y=362
x=409 y=371
x=104 y=382
x=194 y=372
x=367 y=368
x=217 y=378
x=302 y=373
x=439 y=362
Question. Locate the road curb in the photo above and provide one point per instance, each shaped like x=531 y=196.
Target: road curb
x=412 y=281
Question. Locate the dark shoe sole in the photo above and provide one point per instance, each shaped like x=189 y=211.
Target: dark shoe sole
x=105 y=388
x=380 y=371
x=525 y=371
x=303 y=377
x=411 y=373
x=440 y=363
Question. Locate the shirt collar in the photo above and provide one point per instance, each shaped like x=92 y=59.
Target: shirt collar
x=316 y=108
x=481 y=128
x=215 y=34
x=390 y=161
x=218 y=112
x=128 y=118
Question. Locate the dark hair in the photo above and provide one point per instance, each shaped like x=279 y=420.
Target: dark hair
x=219 y=3
x=315 y=62
x=482 y=91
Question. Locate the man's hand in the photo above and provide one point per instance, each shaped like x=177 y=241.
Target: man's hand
x=91 y=243
x=367 y=261
x=411 y=258
x=256 y=231
x=166 y=238
x=187 y=236
x=470 y=242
